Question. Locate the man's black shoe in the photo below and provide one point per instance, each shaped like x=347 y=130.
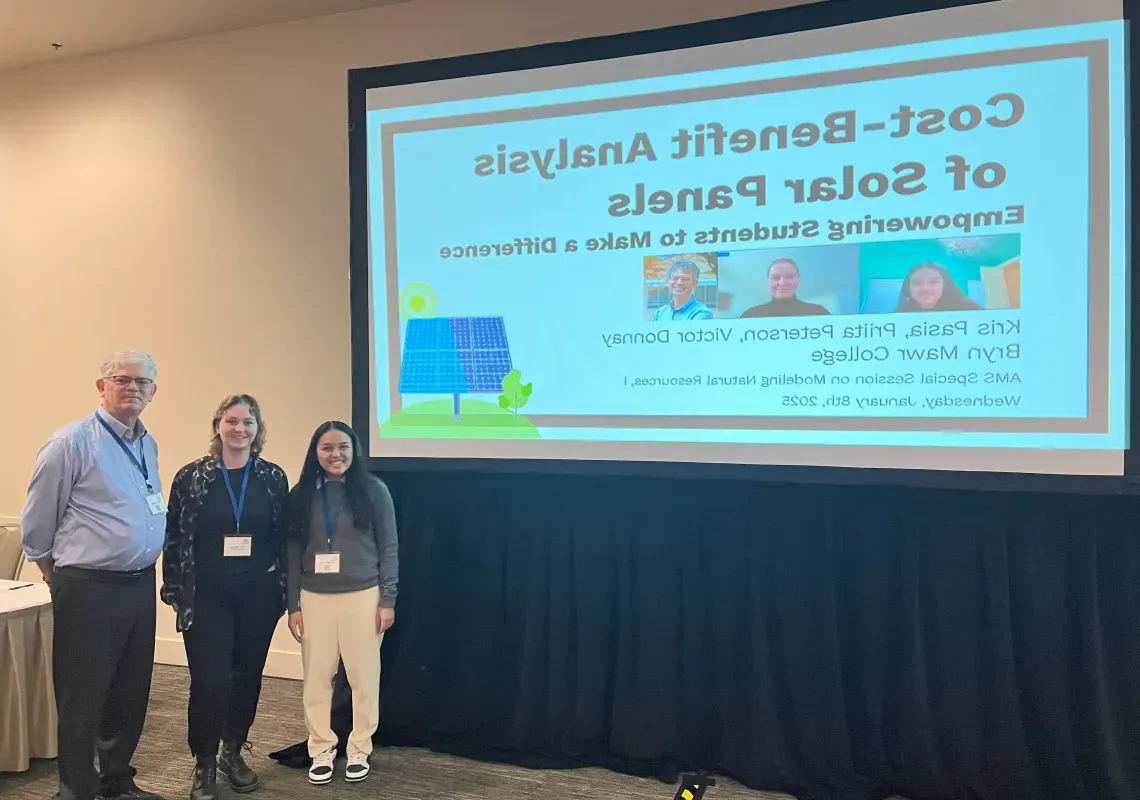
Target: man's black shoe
x=205 y=780
x=126 y=791
x=241 y=778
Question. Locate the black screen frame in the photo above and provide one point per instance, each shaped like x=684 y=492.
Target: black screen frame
x=812 y=16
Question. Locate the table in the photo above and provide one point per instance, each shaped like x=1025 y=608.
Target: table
x=27 y=713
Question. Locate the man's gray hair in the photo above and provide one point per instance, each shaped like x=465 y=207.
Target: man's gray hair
x=684 y=265
x=122 y=358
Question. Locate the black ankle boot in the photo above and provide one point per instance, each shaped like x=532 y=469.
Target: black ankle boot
x=242 y=779
x=205 y=780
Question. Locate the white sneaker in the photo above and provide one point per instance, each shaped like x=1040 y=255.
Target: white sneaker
x=321 y=772
x=357 y=768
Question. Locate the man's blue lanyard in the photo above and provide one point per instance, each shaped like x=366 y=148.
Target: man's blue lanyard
x=330 y=517
x=139 y=461
x=238 y=503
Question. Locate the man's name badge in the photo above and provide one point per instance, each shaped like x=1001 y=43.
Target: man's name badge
x=155 y=504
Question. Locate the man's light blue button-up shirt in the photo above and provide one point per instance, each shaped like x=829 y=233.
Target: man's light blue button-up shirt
x=86 y=503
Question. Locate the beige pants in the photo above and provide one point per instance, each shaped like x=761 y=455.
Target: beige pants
x=341 y=627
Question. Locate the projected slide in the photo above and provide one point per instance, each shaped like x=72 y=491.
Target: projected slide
x=916 y=245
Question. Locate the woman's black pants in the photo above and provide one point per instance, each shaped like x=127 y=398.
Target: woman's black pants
x=226 y=647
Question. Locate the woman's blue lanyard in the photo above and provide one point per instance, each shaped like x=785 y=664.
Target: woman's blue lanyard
x=330 y=517
x=238 y=503
x=140 y=465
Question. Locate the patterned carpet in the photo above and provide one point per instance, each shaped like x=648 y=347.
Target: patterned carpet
x=398 y=773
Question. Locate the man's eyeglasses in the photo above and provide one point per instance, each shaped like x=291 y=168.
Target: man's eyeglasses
x=123 y=381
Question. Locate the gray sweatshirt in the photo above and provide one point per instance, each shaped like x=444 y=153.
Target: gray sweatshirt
x=367 y=558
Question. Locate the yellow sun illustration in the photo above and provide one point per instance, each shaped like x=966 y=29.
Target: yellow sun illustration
x=417 y=301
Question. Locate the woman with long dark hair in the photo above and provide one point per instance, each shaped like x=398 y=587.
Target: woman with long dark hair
x=223 y=571
x=342 y=575
x=929 y=287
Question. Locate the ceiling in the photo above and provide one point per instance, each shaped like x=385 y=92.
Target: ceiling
x=29 y=27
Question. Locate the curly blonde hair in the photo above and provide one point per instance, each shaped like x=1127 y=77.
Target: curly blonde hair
x=254 y=409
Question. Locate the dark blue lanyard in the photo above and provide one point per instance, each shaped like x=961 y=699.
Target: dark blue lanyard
x=238 y=503
x=140 y=465
x=330 y=518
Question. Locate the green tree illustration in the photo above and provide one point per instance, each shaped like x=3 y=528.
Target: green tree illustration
x=515 y=392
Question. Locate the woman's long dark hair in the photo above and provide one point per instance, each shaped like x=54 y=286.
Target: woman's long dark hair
x=356 y=480
x=952 y=299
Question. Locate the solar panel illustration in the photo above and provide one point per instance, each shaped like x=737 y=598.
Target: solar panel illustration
x=454 y=355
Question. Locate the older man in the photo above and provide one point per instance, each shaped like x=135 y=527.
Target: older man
x=94 y=524
x=682 y=278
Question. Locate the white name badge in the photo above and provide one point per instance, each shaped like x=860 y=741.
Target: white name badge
x=237 y=546
x=327 y=563
x=155 y=504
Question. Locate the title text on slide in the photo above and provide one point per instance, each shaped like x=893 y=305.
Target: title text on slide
x=1002 y=110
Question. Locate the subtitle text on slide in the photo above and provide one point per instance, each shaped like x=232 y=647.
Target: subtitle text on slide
x=807 y=230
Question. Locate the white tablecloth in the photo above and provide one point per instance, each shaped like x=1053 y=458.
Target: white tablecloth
x=27 y=713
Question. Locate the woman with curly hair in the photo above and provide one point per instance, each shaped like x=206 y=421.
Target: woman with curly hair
x=224 y=576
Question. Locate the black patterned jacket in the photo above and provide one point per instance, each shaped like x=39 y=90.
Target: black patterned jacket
x=186 y=493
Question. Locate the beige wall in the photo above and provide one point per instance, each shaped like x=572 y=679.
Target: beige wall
x=191 y=199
